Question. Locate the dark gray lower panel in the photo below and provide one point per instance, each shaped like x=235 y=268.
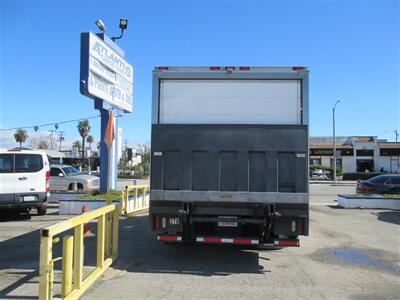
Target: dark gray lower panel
x=242 y=158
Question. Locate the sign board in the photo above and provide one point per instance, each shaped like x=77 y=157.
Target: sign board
x=105 y=74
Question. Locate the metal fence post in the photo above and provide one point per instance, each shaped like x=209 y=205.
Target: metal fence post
x=115 y=234
x=136 y=199
x=78 y=256
x=67 y=259
x=46 y=247
x=100 y=241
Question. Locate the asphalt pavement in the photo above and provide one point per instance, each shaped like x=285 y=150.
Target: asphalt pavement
x=350 y=254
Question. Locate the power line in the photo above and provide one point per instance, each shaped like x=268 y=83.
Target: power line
x=48 y=124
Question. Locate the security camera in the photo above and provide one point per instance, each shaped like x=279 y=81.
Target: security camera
x=123 y=24
x=100 y=24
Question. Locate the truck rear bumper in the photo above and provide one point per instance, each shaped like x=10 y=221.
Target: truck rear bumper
x=240 y=197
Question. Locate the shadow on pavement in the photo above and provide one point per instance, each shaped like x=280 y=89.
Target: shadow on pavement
x=139 y=251
x=14 y=215
x=389 y=216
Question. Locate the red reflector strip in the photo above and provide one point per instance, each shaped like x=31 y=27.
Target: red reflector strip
x=170 y=238
x=217 y=240
x=163 y=68
x=215 y=68
x=298 y=68
x=244 y=68
x=287 y=243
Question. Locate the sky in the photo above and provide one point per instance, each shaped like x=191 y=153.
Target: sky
x=352 y=49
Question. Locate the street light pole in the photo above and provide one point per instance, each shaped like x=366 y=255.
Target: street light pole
x=334 y=142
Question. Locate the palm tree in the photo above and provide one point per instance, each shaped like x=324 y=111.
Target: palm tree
x=77 y=144
x=20 y=136
x=90 y=140
x=83 y=128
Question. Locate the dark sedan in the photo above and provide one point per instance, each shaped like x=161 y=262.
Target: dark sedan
x=381 y=184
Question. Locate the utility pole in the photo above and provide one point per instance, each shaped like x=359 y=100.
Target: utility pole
x=334 y=142
x=61 y=137
x=396 y=132
x=52 y=138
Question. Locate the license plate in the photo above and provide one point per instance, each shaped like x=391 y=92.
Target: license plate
x=227 y=224
x=29 y=198
x=173 y=221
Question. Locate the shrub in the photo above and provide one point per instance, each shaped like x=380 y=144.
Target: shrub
x=360 y=175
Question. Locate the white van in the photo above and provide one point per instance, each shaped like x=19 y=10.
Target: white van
x=24 y=180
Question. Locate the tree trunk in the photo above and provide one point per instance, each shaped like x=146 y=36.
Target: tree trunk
x=83 y=153
x=20 y=145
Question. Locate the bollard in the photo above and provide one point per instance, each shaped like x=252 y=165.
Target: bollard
x=67 y=259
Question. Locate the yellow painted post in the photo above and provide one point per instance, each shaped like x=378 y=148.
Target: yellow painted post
x=126 y=198
x=136 y=198
x=122 y=203
x=100 y=241
x=67 y=259
x=46 y=247
x=78 y=256
x=143 y=196
x=115 y=233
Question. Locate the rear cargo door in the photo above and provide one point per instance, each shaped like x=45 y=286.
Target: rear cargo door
x=30 y=176
x=221 y=101
x=7 y=178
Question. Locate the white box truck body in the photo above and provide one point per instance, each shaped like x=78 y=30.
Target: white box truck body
x=229 y=155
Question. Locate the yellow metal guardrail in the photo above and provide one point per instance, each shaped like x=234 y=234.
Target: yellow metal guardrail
x=73 y=284
x=134 y=199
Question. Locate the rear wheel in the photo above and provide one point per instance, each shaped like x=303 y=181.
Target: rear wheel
x=41 y=210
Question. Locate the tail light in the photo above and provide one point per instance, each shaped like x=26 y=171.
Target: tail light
x=244 y=68
x=298 y=68
x=47 y=181
x=365 y=187
x=156 y=222
x=215 y=68
x=163 y=68
x=299 y=227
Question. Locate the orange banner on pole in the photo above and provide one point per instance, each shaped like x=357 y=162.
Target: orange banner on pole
x=109 y=136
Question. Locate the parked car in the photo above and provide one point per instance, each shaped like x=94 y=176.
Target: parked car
x=68 y=178
x=381 y=184
x=24 y=180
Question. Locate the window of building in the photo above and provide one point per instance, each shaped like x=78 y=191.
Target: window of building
x=338 y=163
x=365 y=165
x=315 y=161
x=365 y=152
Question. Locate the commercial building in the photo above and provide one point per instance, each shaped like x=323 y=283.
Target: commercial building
x=356 y=153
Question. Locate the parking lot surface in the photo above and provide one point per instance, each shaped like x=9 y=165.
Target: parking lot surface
x=350 y=254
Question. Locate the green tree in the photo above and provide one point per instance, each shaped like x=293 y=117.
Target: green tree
x=20 y=136
x=83 y=128
x=77 y=144
x=43 y=144
x=90 y=140
x=144 y=151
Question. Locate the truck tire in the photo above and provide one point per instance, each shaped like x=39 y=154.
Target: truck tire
x=41 y=210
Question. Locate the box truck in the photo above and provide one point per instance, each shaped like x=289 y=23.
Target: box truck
x=229 y=155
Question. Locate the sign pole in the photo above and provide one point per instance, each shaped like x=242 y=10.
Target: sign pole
x=106 y=77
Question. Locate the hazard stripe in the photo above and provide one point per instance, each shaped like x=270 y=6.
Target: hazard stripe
x=217 y=240
x=170 y=238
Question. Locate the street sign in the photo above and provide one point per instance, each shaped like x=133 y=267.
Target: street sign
x=105 y=74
